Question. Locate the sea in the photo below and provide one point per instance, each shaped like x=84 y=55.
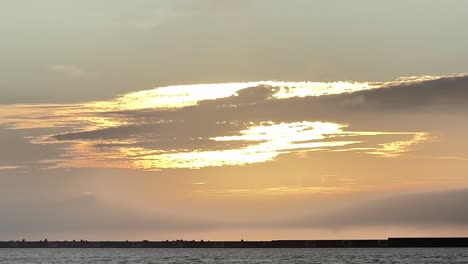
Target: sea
x=250 y=255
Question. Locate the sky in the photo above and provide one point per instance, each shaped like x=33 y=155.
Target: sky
x=246 y=119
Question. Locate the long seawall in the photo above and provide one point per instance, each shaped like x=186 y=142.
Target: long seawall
x=364 y=243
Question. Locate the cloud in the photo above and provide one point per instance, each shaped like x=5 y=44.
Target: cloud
x=281 y=190
x=442 y=93
x=199 y=183
x=255 y=144
x=9 y=167
x=196 y=126
x=86 y=213
x=219 y=7
x=68 y=70
x=445 y=208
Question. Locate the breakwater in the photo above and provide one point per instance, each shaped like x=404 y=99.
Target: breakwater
x=362 y=243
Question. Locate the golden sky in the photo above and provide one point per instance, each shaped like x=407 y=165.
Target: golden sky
x=213 y=120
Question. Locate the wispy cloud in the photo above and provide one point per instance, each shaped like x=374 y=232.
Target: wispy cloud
x=282 y=190
x=199 y=183
x=68 y=70
x=9 y=167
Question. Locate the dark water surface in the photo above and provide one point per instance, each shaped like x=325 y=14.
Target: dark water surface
x=280 y=256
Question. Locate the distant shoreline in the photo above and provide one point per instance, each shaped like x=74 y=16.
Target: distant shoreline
x=353 y=243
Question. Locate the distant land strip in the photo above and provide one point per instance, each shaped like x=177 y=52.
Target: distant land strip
x=361 y=243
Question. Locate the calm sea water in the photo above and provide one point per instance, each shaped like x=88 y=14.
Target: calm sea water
x=280 y=256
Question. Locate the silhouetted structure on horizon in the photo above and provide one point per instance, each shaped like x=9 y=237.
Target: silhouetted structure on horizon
x=364 y=243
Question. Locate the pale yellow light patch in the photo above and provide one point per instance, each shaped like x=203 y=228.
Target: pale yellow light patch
x=200 y=159
x=396 y=148
x=283 y=190
x=286 y=132
x=199 y=183
x=173 y=96
x=9 y=167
